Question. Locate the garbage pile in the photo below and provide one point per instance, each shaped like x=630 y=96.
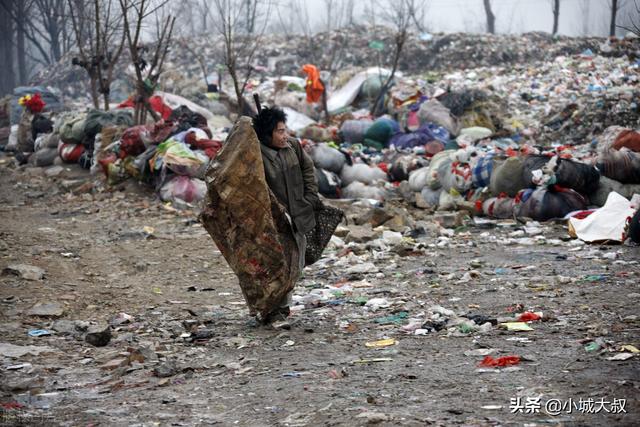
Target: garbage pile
x=538 y=140
x=343 y=49
x=170 y=155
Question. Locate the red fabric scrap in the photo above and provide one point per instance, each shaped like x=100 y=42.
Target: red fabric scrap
x=131 y=143
x=209 y=146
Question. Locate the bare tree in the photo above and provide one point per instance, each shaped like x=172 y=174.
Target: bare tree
x=135 y=14
x=241 y=38
x=100 y=39
x=397 y=14
x=491 y=18
x=555 y=8
x=418 y=15
x=633 y=19
x=7 y=73
x=615 y=6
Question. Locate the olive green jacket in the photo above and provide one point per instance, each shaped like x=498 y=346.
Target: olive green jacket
x=291 y=176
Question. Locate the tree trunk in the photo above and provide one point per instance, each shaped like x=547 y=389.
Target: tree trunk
x=106 y=101
x=205 y=15
x=556 y=16
x=7 y=74
x=491 y=18
x=20 y=46
x=236 y=87
x=614 y=13
x=54 y=33
x=93 y=86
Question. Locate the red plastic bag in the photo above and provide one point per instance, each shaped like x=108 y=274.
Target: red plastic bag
x=503 y=361
x=528 y=316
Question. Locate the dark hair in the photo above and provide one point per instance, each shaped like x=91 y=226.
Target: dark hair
x=266 y=121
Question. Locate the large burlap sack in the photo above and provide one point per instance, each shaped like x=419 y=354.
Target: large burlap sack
x=549 y=203
x=248 y=224
x=623 y=166
x=507 y=178
x=578 y=176
x=432 y=111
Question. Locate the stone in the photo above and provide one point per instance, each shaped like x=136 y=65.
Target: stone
x=50 y=309
x=341 y=231
x=407 y=193
x=400 y=222
x=360 y=234
x=115 y=363
x=166 y=369
x=25 y=271
x=15 y=351
x=449 y=219
x=98 y=336
x=64 y=327
x=53 y=171
x=421 y=202
x=376 y=217
x=373 y=417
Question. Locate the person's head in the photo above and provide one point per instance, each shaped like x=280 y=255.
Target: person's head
x=270 y=126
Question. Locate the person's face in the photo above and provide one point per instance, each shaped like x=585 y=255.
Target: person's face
x=279 y=135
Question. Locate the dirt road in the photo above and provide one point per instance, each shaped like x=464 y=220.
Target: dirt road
x=187 y=353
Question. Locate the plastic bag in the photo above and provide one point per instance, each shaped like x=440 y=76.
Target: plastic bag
x=353 y=131
x=359 y=190
x=328 y=183
x=326 y=157
x=418 y=178
x=179 y=158
x=606 y=223
x=362 y=173
x=431 y=197
x=552 y=202
x=183 y=188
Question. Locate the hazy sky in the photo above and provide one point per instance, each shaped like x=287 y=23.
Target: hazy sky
x=577 y=17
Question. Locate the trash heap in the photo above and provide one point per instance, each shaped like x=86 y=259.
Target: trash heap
x=170 y=155
x=344 y=49
x=549 y=136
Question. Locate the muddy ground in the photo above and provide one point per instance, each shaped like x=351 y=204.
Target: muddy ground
x=100 y=260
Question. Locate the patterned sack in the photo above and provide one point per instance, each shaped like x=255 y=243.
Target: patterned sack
x=482 y=171
x=327 y=219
